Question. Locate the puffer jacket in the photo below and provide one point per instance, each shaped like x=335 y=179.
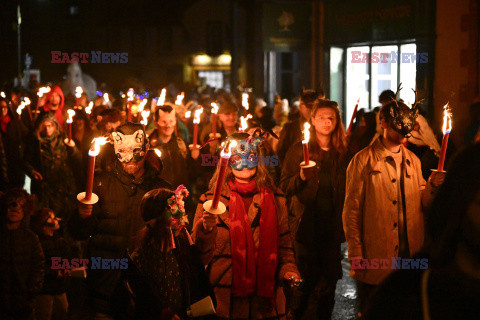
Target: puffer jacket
x=114 y=221
x=216 y=253
x=21 y=271
x=370 y=213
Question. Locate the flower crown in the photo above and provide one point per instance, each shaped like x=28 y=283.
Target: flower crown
x=176 y=206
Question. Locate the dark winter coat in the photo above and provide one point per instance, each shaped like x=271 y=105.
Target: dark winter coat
x=114 y=221
x=21 y=271
x=13 y=150
x=290 y=134
x=159 y=279
x=53 y=159
x=54 y=246
x=320 y=230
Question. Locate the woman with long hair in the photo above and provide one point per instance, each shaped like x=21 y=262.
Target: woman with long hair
x=165 y=272
x=321 y=191
x=247 y=248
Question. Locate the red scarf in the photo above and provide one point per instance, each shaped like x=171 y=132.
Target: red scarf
x=4 y=122
x=253 y=270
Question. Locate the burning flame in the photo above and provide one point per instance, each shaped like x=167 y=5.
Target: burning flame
x=27 y=101
x=158 y=153
x=105 y=98
x=447 y=119
x=161 y=99
x=2 y=94
x=123 y=96
x=245 y=100
x=88 y=109
x=227 y=150
x=196 y=119
x=71 y=113
x=142 y=105
x=243 y=122
x=214 y=107
x=43 y=90
x=306 y=133
x=20 y=107
x=130 y=94
x=180 y=99
x=78 y=92
x=145 y=115
x=188 y=114
x=96 y=143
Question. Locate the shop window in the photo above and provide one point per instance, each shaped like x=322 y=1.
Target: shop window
x=365 y=71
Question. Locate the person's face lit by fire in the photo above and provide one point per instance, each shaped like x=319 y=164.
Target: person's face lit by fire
x=324 y=121
x=4 y=108
x=229 y=120
x=15 y=210
x=54 y=101
x=48 y=128
x=166 y=123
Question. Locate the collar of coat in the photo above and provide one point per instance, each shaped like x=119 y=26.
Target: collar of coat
x=381 y=154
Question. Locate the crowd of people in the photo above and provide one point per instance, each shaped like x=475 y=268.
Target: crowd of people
x=150 y=248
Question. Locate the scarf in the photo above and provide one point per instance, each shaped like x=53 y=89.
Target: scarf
x=253 y=270
x=4 y=121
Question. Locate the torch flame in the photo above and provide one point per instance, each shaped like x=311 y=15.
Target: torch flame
x=142 y=105
x=130 y=94
x=161 y=99
x=243 y=122
x=2 y=94
x=71 y=113
x=180 y=99
x=447 y=119
x=20 y=107
x=227 y=150
x=306 y=133
x=188 y=114
x=105 y=98
x=158 y=153
x=214 y=107
x=88 y=109
x=96 y=143
x=145 y=114
x=245 y=100
x=27 y=101
x=196 y=119
x=42 y=91
x=78 y=92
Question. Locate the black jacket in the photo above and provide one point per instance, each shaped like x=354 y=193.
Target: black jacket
x=21 y=271
x=290 y=134
x=114 y=221
x=320 y=230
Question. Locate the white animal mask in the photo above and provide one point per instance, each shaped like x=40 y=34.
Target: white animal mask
x=129 y=147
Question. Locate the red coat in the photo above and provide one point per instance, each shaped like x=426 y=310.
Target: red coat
x=216 y=253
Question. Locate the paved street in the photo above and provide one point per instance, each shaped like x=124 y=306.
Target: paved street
x=346 y=293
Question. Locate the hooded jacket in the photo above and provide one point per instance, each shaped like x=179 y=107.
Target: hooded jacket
x=59 y=113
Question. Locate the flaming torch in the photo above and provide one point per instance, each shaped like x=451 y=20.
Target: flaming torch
x=349 y=130
x=145 y=114
x=88 y=110
x=245 y=104
x=158 y=153
x=213 y=119
x=106 y=99
x=215 y=206
x=2 y=94
x=88 y=197
x=78 y=94
x=243 y=123
x=447 y=127
x=69 y=141
x=306 y=163
x=130 y=95
x=196 y=121
x=20 y=108
x=42 y=91
x=161 y=99
x=179 y=101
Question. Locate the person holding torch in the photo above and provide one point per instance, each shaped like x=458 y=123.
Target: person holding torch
x=318 y=193
x=247 y=247
x=111 y=223
x=386 y=196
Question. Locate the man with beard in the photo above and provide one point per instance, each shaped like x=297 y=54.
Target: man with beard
x=385 y=198
x=114 y=220
x=21 y=257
